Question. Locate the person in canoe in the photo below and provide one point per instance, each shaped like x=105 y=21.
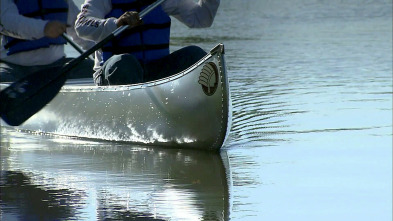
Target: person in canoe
x=31 y=41
x=141 y=53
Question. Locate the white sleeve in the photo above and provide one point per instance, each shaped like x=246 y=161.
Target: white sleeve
x=18 y=26
x=73 y=11
x=193 y=14
x=91 y=24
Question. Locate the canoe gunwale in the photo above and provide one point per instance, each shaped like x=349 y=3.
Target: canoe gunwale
x=219 y=48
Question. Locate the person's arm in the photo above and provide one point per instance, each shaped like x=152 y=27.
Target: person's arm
x=193 y=14
x=18 y=26
x=73 y=12
x=91 y=23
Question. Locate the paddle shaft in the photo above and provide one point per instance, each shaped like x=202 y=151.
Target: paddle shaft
x=25 y=97
x=74 y=45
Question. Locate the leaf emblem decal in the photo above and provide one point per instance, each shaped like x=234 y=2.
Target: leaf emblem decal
x=208 y=78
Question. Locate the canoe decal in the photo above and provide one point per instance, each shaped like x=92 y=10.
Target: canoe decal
x=208 y=78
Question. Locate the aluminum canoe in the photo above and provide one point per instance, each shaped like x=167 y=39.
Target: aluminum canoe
x=191 y=109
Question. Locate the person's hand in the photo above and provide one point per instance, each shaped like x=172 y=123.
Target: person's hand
x=54 y=29
x=129 y=18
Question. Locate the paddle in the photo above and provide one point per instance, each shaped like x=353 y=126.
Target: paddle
x=74 y=45
x=25 y=97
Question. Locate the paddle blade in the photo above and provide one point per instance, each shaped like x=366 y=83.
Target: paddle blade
x=25 y=97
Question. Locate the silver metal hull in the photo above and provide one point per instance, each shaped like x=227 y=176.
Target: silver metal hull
x=190 y=109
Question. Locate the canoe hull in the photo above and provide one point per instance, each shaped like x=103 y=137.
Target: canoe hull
x=183 y=110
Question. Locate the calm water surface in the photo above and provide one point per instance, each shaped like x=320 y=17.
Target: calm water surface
x=311 y=138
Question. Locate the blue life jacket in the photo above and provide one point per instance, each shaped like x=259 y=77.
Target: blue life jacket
x=41 y=9
x=147 y=42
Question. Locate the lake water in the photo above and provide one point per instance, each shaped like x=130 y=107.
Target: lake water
x=311 y=138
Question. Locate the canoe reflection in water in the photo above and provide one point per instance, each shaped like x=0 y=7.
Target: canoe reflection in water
x=115 y=182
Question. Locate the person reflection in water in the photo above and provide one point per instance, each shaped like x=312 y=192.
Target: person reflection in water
x=34 y=202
